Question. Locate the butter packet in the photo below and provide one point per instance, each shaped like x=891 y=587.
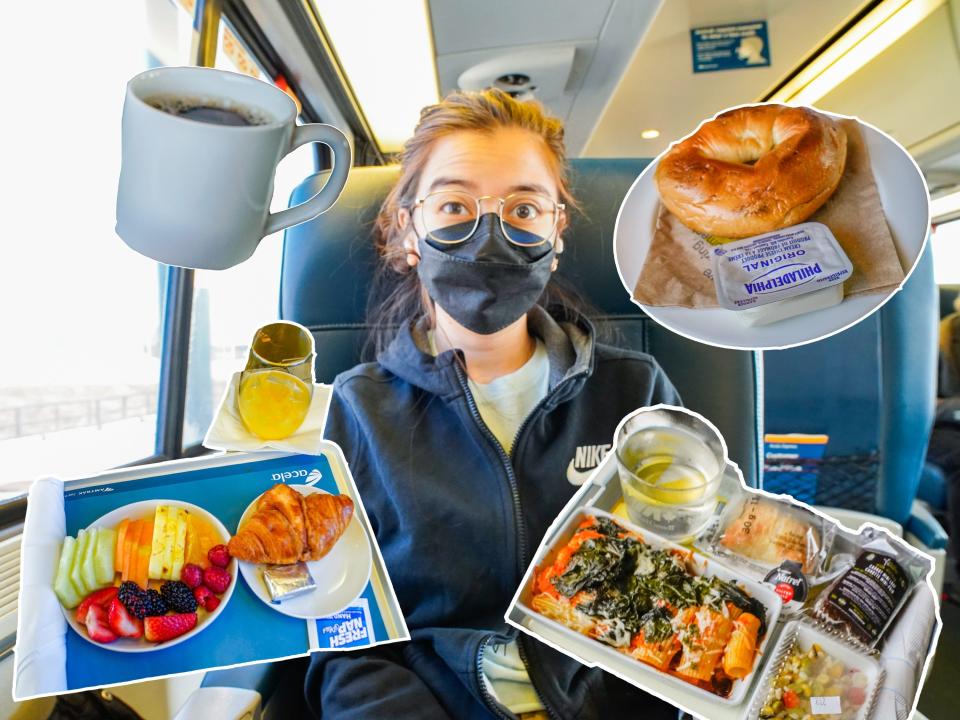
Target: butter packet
x=778 y=265
x=286 y=581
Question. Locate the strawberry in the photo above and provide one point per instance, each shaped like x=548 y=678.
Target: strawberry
x=217 y=579
x=99 y=597
x=160 y=628
x=122 y=622
x=98 y=627
x=219 y=556
x=192 y=575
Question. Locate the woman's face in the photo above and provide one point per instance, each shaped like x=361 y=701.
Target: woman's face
x=494 y=164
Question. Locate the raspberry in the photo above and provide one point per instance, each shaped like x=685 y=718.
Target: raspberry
x=206 y=598
x=192 y=575
x=217 y=579
x=219 y=555
x=178 y=597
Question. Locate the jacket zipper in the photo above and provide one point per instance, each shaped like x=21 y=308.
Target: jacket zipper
x=506 y=460
x=488 y=699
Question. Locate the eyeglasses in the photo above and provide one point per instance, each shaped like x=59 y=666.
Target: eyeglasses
x=527 y=219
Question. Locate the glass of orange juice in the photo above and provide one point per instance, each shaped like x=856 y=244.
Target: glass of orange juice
x=276 y=386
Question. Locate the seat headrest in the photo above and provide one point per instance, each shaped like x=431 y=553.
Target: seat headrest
x=328 y=263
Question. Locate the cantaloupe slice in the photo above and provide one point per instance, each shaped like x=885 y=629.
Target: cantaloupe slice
x=143 y=553
x=121 y=535
x=130 y=536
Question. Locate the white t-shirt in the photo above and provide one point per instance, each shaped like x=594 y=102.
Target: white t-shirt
x=504 y=403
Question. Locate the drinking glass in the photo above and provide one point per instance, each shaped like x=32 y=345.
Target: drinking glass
x=670 y=464
x=276 y=387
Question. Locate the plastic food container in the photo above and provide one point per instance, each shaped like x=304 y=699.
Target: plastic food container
x=593 y=652
x=804 y=634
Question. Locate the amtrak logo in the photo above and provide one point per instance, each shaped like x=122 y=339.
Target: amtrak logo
x=584 y=462
x=299 y=476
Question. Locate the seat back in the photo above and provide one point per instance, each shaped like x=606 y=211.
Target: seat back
x=328 y=264
x=871 y=389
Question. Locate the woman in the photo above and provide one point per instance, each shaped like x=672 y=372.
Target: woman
x=460 y=435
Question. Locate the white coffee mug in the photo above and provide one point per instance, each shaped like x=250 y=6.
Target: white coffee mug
x=197 y=194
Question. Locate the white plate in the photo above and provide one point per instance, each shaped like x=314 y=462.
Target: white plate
x=905 y=202
x=806 y=635
x=586 y=648
x=136 y=511
x=341 y=575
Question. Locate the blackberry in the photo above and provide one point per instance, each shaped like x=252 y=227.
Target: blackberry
x=129 y=593
x=133 y=598
x=178 y=596
x=153 y=604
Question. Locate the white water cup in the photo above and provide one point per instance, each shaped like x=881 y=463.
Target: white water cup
x=197 y=194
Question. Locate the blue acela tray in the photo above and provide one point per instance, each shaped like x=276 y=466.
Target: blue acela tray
x=247 y=631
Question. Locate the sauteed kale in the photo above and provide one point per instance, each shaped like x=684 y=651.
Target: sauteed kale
x=630 y=585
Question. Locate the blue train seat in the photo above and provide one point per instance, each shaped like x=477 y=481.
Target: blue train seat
x=871 y=389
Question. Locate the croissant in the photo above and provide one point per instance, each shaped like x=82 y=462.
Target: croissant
x=287 y=527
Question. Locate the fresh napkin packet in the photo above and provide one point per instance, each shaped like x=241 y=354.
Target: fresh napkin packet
x=228 y=432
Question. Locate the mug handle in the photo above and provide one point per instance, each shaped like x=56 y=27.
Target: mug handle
x=323 y=200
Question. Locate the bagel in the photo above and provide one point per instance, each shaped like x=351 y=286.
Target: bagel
x=752 y=170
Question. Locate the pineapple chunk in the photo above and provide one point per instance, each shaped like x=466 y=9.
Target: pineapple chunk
x=62 y=585
x=157 y=544
x=87 y=569
x=164 y=541
x=103 y=557
x=180 y=543
x=76 y=564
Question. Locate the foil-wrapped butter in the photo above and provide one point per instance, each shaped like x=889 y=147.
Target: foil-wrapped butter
x=286 y=581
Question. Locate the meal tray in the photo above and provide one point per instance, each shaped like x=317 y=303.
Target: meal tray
x=248 y=631
x=602 y=492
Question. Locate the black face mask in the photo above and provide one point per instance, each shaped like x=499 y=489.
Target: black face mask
x=485 y=283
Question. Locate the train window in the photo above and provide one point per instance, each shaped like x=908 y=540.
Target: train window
x=228 y=305
x=945 y=245
x=80 y=365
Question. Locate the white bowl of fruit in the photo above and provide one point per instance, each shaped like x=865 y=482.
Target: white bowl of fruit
x=145 y=576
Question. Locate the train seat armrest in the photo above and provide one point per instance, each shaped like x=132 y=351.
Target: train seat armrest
x=933 y=487
x=925 y=527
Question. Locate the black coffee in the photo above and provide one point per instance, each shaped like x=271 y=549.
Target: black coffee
x=208 y=110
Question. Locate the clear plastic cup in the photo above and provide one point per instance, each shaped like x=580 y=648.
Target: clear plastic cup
x=670 y=463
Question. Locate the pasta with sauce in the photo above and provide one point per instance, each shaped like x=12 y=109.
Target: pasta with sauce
x=608 y=584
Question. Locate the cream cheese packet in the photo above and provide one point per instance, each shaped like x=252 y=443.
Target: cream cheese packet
x=778 y=265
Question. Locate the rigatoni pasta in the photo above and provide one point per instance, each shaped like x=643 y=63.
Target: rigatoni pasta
x=648 y=603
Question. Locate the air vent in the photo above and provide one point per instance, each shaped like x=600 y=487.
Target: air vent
x=541 y=73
